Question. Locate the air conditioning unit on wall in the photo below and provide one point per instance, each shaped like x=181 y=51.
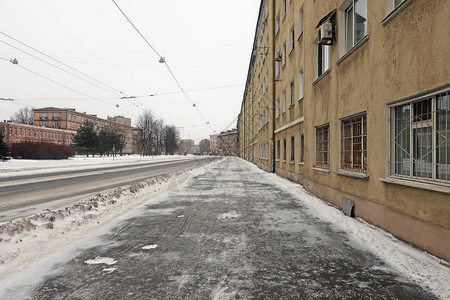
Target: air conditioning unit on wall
x=326 y=33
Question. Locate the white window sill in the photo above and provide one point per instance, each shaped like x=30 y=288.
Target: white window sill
x=320 y=77
x=267 y=159
x=301 y=164
x=395 y=12
x=277 y=160
x=283 y=161
x=352 y=174
x=322 y=170
x=417 y=184
x=353 y=49
x=292 y=162
x=300 y=36
x=301 y=99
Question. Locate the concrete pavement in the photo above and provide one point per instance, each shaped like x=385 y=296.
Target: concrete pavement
x=226 y=234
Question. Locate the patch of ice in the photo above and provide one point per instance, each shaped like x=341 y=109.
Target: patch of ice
x=379 y=268
x=148 y=247
x=229 y=215
x=180 y=216
x=101 y=260
x=109 y=270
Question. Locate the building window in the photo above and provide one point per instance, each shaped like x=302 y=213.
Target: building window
x=278 y=149
x=322 y=146
x=292 y=35
x=397 y=3
x=322 y=59
x=292 y=149
x=300 y=85
x=277 y=108
x=277 y=24
x=301 y=20
x=292 y=87
x=420 y=138
x=20 y=131
x=284 y=149
x=284 y=8
x=354 y=143
x=283 y=55
x=283 y=107
x=302 y=148
x=29 y=132
x=15 y=131
x=392 y=5
x=355 y=22
x=277 y=68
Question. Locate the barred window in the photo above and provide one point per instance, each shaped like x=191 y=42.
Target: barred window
x=354 y=143
x=322 y=146
x=420 y=144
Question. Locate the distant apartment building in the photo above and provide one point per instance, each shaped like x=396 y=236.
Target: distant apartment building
x=19 y=133
x=186 y=146
x=214 y=146
x=227 y=142
x=351 y=98
x=69 y=119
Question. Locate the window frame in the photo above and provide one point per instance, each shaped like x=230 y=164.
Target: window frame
x=284 y=149
x=292 y=93
x=292 y=149
x=320 y=68
x=300 y=85
x=412 y=166
x=302 y=148
x=352 y=140
x=283 y=104
x=325 y=164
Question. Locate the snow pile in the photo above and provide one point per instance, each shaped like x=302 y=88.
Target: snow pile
x=418 y=265
x=25 y=240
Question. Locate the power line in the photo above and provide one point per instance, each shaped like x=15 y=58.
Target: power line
x=71 y=89
x=59 y=68
x=104 y=84
x=162 y=60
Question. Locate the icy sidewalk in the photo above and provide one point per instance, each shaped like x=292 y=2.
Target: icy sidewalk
x=422 y=267
x=234 y=231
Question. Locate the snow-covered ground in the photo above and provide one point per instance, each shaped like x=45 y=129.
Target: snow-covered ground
x=24 y=241
x=18 y=167
x=420 y=266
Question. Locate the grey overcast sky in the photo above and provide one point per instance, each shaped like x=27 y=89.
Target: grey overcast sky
x=207 y=44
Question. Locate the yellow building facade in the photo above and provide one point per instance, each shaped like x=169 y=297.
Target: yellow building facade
x=352 y=100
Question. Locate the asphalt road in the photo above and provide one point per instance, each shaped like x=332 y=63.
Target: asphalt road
x=24 y=195
x=226 y=234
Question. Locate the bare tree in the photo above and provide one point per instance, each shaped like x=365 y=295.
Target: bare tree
x=24 y=116
x=146 y=122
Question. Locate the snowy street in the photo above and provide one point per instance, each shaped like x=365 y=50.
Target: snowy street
x=46 y=188
x=231 y=231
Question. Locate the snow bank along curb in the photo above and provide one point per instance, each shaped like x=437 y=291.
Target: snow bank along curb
x=25 y=240
x=420 y=266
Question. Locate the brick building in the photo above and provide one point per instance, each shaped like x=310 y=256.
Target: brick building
x=69 y=119
x=19 y=133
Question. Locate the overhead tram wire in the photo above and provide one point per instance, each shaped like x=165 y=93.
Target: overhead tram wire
x=161 y=59
x=112 y=90
x=59 y=68
x=71 y=89
x=60 y=62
